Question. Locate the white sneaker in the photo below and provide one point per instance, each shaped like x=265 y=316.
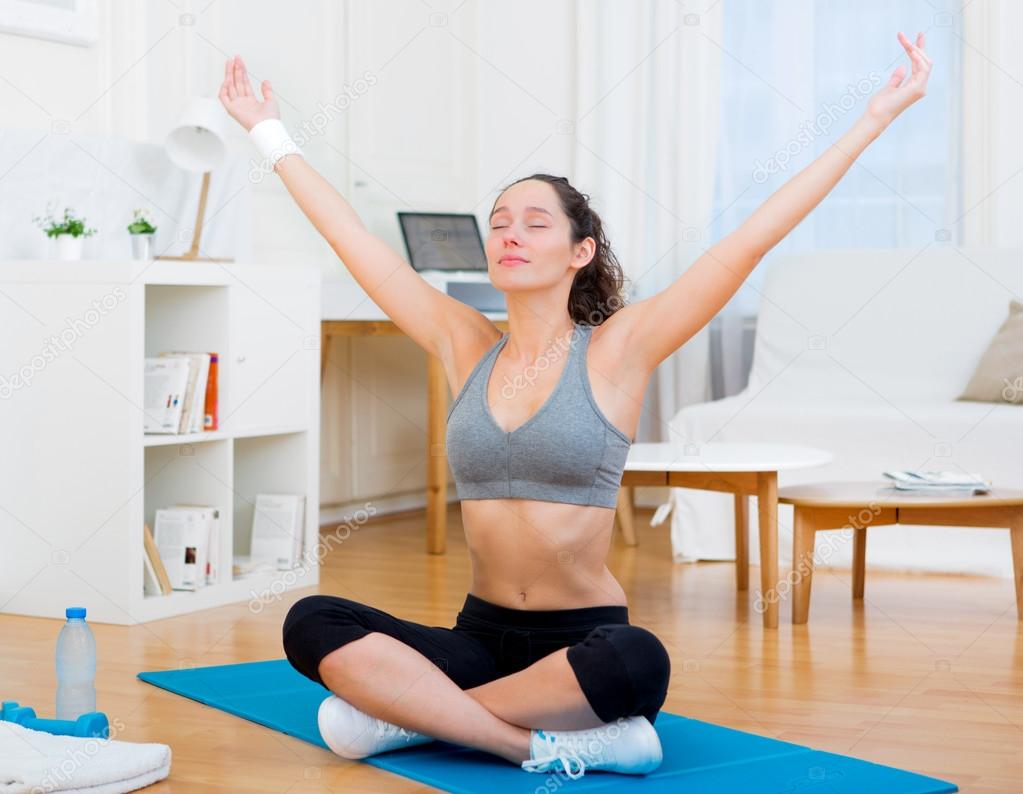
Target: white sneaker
x=354 y=734
x=629 y=746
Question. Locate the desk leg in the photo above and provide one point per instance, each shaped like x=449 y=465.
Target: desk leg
x=767 y=507
x=624 y=515
x=437 y=458
x=741 y=541
x=1016 y=532
x=804 y=533
x=324 y=349
x=859 y=570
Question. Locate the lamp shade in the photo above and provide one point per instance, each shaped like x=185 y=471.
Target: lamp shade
x=197 y=141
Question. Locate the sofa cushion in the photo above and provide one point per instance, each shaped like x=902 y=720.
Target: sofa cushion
x=999 y=375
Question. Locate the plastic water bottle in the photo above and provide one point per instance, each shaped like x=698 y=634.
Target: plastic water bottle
x=76 y=667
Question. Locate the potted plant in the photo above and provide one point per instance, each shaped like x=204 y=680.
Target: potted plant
x=141 y=230
x=69 y=232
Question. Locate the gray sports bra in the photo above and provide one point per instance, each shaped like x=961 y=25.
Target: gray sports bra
x=567 y=451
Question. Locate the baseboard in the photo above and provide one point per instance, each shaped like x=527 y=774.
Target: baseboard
x=382 y=506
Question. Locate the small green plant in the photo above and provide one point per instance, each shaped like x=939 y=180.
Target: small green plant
x=140 y=223
x=69 y=224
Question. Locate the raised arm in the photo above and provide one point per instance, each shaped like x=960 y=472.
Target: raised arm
x=660 y=324
x=431 y=318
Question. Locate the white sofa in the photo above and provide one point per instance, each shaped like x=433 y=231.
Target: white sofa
x=863 y=352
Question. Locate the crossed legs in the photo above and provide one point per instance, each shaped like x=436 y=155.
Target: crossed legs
x=387 y=679
x=441 y=683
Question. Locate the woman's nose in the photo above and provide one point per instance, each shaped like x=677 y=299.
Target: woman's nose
x=510 y=235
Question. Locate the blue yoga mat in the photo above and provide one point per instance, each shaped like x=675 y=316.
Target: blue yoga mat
x=698 y=756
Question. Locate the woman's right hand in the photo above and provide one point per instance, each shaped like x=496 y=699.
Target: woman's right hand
x=237 y=97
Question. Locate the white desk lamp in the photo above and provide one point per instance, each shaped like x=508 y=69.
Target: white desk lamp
x=197 y=144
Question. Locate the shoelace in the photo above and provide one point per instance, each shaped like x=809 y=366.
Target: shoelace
x=566 y=755
x=386 y=730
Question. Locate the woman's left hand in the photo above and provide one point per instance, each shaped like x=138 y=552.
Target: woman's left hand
x=898 y=95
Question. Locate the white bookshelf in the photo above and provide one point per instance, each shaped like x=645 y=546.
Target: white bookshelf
x=79 y=478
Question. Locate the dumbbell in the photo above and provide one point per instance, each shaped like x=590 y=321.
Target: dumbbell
x=91 y=724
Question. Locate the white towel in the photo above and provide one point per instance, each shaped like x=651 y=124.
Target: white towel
x=34 y=762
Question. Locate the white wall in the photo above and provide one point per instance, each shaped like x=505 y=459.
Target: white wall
x=465 y=98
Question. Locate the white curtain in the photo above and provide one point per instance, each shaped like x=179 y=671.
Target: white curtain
x=646 y=136
x=795 y=76
x=791 y=69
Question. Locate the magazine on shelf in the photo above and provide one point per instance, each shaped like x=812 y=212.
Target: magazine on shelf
x=194 y=414
x=165 y=389
x=277 y=529
x=211 y=515
x=909 y=480
x=194 y=403
x=182 y=537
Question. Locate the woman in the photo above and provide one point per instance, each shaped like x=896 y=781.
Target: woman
x=542 y=666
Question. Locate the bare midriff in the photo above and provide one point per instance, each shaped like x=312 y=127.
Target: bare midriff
x=532 y=554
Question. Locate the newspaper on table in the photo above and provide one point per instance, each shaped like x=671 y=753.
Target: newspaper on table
x=938 y=481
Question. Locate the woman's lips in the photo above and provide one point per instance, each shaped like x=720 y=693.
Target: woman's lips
x=512 y=261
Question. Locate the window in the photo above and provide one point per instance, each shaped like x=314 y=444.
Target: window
x=790 y=67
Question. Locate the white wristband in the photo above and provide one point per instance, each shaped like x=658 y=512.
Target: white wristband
x=273 y=141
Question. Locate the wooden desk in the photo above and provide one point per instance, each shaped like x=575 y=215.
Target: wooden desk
x=436 y=419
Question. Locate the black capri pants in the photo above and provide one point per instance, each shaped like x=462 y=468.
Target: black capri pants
x=622 y=669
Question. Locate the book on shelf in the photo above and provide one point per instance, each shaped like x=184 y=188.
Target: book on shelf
x=181 y=392
x=211 y=416
x=938 y=481
x=188 y=541
x=166 y=383
x=154 y=567
x=277 y=529
x=194 y=411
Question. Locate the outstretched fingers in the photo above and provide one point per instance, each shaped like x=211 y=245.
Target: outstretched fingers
x=897 y=76
x=916 y=54
x=227 y=87
x=920 y=48
x=921 y=63
x=241 y=78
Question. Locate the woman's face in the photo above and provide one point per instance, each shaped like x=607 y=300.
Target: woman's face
x=529 y=243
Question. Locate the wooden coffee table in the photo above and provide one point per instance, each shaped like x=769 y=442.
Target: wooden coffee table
x=855 y=506
x=742 y=470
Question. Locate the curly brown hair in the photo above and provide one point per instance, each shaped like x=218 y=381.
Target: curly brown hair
x=596 y=291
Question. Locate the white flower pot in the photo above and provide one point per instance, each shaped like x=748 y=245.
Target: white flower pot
x=142 y=246
x=69 y=246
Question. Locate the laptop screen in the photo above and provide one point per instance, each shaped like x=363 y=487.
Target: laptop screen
x=442 y=241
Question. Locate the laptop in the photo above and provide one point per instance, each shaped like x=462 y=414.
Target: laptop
x=446 y=248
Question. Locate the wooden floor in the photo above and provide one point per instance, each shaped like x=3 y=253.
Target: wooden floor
x=926 y=675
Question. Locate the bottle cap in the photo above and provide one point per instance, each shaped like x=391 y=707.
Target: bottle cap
x=75 y=612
